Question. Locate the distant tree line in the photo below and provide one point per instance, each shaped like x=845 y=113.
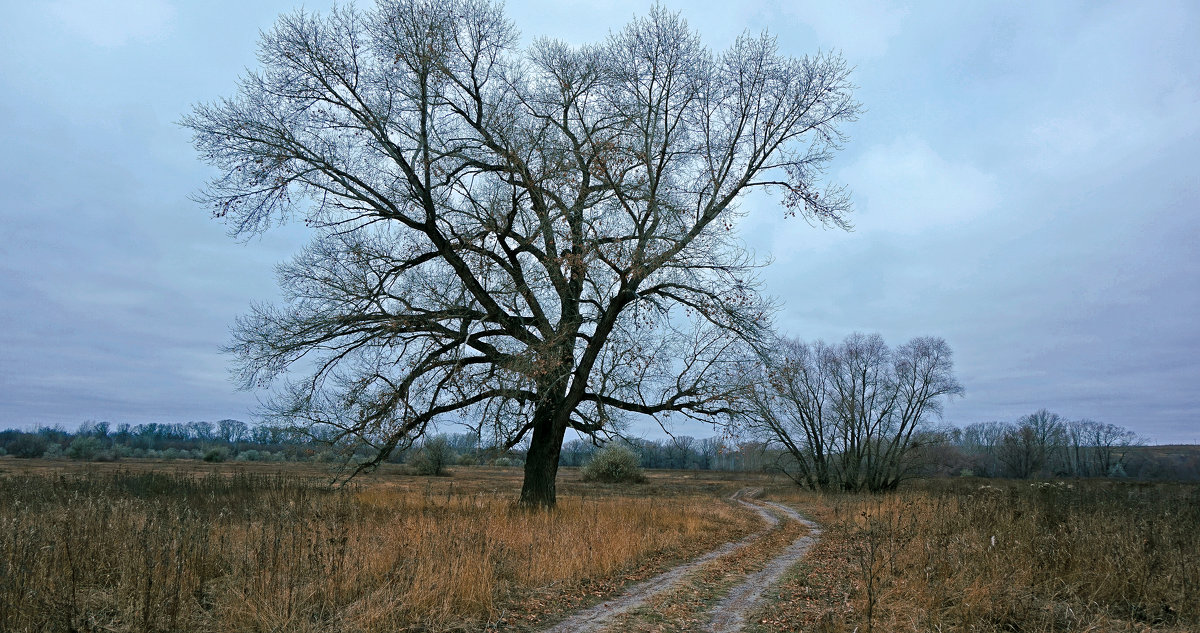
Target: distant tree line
x=1041 y=444
x=234 y=440
x=1045 y=444
x=103 y=441
x=215 y=442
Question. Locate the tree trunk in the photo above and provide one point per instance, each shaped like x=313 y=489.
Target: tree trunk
x=541 y=462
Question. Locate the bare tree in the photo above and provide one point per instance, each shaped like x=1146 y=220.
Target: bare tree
x=1096 y=449
x=1110 y=446
x=850 y=415
x=232 y=431
x=790 y=405
x=1036 y=444
x=527 y=241
x=1020 y=452
x=710 y=449
x=982 y=442
x=1049 y=431
x=681 y=450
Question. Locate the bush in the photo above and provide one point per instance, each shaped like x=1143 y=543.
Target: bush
x=28 y=445
x=216 y=455
x=84 y=447
x=614 y=464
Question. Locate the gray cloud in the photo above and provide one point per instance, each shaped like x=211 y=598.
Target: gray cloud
x=1024 y=178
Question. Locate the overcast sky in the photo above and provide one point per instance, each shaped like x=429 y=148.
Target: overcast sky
x=1026 y=180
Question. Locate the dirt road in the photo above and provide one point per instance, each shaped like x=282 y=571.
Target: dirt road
x=732 y=611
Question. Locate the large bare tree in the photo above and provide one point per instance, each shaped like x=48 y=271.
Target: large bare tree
x=528 y=241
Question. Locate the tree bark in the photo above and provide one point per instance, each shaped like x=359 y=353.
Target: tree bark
x=541 y=462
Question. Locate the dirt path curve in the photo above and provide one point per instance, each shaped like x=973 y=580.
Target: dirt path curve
x=730 y=614
x=597 y=617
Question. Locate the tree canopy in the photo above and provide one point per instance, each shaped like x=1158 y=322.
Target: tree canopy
x=525 y=240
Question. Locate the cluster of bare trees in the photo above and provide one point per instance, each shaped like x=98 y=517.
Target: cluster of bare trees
x=1046 y=444
x=851 y=415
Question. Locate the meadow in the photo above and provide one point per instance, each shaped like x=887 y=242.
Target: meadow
x=193 y=547
x=985 y=556
x=189 y=546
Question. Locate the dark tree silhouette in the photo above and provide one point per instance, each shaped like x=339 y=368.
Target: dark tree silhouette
x=529 y=241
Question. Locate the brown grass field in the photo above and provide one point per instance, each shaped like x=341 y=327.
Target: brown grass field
x=994 y=555
x=146 y=546
x=189 y=546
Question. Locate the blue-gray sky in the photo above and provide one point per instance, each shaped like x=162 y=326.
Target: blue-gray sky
x=1026 y=178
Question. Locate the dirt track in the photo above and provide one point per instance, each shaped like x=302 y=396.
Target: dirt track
x=731 y=613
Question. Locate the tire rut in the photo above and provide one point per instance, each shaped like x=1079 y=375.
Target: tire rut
x=732 y=612
x=597 y=617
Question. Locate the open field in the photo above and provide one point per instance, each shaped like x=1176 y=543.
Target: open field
x=997 y=555
x=158 y=546
x=148 y=546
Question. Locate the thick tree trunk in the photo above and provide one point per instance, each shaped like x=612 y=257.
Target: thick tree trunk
x=541 y=463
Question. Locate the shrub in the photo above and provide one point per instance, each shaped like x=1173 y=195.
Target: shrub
x=28 y=445
x=614 y=464
x=216 y=455
x=432 y=458
x=84 y=447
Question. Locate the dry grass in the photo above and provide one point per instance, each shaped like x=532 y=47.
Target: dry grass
x=1008 y=556
x=150 y=548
